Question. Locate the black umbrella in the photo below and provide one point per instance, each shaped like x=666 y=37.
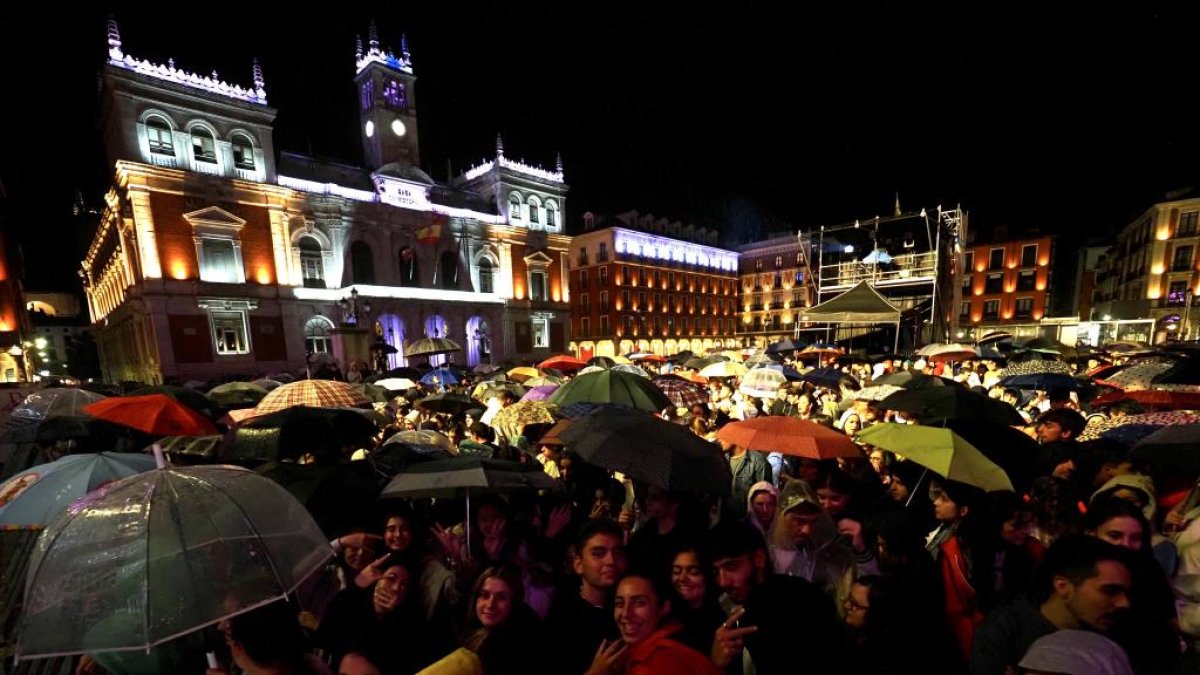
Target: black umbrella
x=649 y=449
x=293 y=432
x=830 y=378
x=189 y=397
x=601 y=361
x=1173 y=449
x=681 y=357
x=446 y=403
x=340 y=497
x=910 y=380
x=465 y=476
x=951 y=403
x=1011 y=449
x=407 y=373
x=784 y=346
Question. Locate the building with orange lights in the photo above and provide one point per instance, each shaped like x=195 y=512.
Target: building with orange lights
x=1151 y=272
x=645 y=284
x=14 y=321
x=216 y=255
x=775 y=283
x=1005 y=283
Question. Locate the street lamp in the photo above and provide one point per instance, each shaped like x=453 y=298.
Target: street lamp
x=40 y=343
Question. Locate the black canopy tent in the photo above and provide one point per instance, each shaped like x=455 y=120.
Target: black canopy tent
x=861 y=304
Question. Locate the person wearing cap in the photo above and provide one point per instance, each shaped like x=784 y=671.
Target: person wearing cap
x=1075 y=652
x=805 y=543
x=1082 y=583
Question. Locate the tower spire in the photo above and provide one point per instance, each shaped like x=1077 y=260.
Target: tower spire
x=114 y=40
x=373 y=38
x=558 y=162
x=499 y=146
x=898 y=212
x=358 y=53
x=259 y=83
x=404 y=46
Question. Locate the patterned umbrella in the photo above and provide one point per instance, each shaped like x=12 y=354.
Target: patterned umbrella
x=431 y=347
x=1098 y=427
x=33 y=498
x=1041 y=382
x=876 y=393
x=1036 y=367
x=1140 y=375
x=510 y=422
x=791 y=436
x=1171 y=450
x=539 y=393
x=762 y=382
x=1160 y=399
x=680 y=392
x=1126 y=348
x=312 y=393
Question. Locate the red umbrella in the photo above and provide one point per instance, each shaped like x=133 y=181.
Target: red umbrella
x=1153 y=398
x=791 y=436
x=565 y=363
x=652 y=358
x=155 y=414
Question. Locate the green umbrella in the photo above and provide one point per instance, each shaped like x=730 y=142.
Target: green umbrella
x=373 y=392
x=611 y=387
x=941 y=451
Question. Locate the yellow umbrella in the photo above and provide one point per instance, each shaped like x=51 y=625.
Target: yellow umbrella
x=724 y=369
x=620 y=359
x=523 y=373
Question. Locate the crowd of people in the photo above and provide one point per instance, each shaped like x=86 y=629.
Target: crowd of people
x=869 y=564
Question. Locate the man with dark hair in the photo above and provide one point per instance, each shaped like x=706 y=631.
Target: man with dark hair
x=1059 y=424
x=767 y=612
x=479 y=441
x=578 y=622
x=1082 y=583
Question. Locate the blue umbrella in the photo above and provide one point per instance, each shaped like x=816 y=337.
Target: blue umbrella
x=441 y=376
x=829 y=378
x=877 y=256
x=1041 y=381
x=783 y=346
x=33 y=498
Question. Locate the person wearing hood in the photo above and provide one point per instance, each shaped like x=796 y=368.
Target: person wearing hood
x=761 y=506
x=1139 y=489
x=805 y=543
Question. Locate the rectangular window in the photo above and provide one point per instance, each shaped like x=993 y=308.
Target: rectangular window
x=1029 y=255
x=203 y=148
x=541 y=332
x=602 y=255
x=624 y=301
x=671 y=303
x=967 y=283
x=584 y=303
x=1024 y=308
x=657 y=302
x=229 y=332
x=583 y=280
x=533 y=214
x=995 y=284
x=603 y=301
x=641 y=306
x=485 y=279
x=217 y=261
x=1187 y=223
x=317 y=344
x=604 y=276
x=991 y=309
x=642 y=276
x=626 y=276
x=585 y=327
x=671 y=280
x=161 y=142
x=583 y=259
x=537 y=285
x=964 y=310
x=996 y=259
x=243 y=156
x=969 y=261
x=1026 y=280
x=657 y=325
x=604 y=326
x=551 y=217
x=1177 y=293
x=1183 y=259
x=628 y=321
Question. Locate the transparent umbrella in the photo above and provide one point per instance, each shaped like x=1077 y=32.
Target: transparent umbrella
x=161 y=554
x=55 y=402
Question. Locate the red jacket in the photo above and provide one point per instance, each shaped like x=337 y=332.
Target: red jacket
x=962 y=613
x=660 y=655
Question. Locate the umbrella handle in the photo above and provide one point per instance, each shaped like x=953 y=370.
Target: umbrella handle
x=913 y=493
x=160 y=460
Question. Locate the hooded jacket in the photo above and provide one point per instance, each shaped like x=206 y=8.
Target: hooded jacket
x=826 y=559
x=1132 y=481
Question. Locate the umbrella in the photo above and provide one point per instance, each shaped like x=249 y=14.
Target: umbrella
x=396 y=383
x=312 y=393
x=54 y=402
x=281 y=377
x=649 y=449
x=431 y=347
x=694 y=377
x=652 y=358
x=789 y=435
x=485 y=368
x=34 y=497
x=954 y=403
x=1185 y=372
x=404 y=372
x=591 y=369
x=564 y=363
x=724 y=369
x=539 y=393
x=188 y=397
x=161 y=554
x=1041 y=382
x=449 y=404
x=759 y=360
x=952 y=352
x=510 y=422
x=463 y=476
x=293 y=432
x=611 y=387
x=441 y=376
x=877 y=392
x=523 y=373
x=911 y=380
x=85 y=430
x=602 y=361
x=621 y=360
x=818 y=352
x=339 y=497
x=554 y=433
x=1099 y=427
x=783 y=346
x=234 y=387
x=631 y=369
x=268 y=385
x=485 y=390
x=1011 y=449
x=1171 y=450
x=702 y=362
x=574 y=411
x=154 y=414
x=1126 y=348
x=681 y=356
x=830 y=378
x=1152 y=398
x=1044 y=345
x=1037 y=367
x=939 y=450
x=876 y=257
x=411 y=447
x=994 y=336
x=762 y=382
x=680 y=392
x=1139 y=375
x=203 y=447
x=373 y=392
x=237 y=399
x=543 y=381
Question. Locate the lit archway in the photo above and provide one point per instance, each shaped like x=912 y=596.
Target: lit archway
x=479 y=341
x=393 y=334
x=435 y=326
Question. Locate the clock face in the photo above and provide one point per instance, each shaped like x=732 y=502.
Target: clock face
x=369 y=129
x=398 y=128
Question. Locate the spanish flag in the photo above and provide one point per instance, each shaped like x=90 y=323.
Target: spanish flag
x=432 y=233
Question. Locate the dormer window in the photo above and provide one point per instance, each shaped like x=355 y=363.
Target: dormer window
x=160 y=136
x=243 y=152
x=204 y=148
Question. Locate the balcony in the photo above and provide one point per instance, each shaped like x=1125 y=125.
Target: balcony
x=907 y=268
x=776 y=305
x=756 y=308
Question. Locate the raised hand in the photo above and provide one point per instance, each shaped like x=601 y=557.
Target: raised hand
x=730 y=639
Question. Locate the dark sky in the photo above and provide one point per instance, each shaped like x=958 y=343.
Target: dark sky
x=783 y=114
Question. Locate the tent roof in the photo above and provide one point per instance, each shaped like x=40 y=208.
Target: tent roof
x=861 y=304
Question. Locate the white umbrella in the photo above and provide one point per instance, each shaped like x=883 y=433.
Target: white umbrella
x=762 y=382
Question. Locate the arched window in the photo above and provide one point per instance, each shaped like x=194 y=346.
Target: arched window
x=316 y=335
x=362 y=268
x=409 y=274
x=448 y=272
x=204 y=148
x=514 y=207
x=243 y=152
x=485 y=276
x=535 y=206
x=551 y=214
x=162 y=141
x=312 y=267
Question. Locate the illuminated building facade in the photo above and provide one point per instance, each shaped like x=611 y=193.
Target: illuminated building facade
x=775 y=282
x=645 y=284
x=14 y=321
x=215 y=255
x=1005 y=282
x=1150 y=272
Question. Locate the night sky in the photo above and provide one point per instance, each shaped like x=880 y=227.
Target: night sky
x=755 y=117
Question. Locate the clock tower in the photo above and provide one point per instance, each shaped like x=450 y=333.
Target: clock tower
x=387 y=111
